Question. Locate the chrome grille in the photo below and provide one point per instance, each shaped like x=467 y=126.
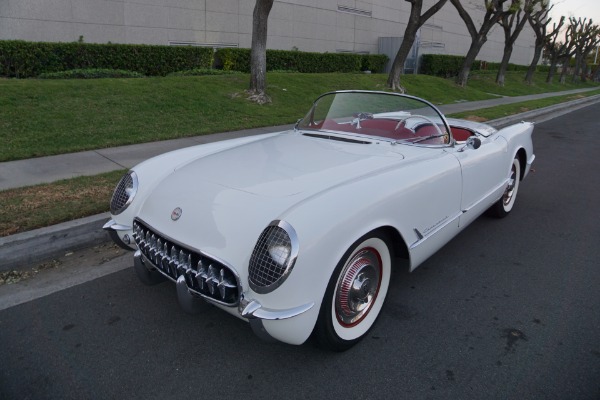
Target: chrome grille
x=203 y=275
x=263 y=270
x=121 y=194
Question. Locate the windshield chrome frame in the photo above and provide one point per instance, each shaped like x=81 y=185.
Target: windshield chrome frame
x=450 y=143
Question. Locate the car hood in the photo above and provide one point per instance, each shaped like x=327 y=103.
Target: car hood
x=232 y=195
x=288 y=165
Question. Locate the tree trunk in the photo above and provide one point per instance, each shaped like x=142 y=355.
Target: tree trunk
x=532 y=67
x=565 y=69
x=415 y=21
x=258 y=53
x=552 y=69
x=393 y=81
x=577 y=70
x=504 y=64
x=463 y=75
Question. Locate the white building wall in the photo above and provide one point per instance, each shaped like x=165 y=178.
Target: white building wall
x=306 y=25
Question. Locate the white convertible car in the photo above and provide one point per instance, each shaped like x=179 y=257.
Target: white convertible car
x=298 y=232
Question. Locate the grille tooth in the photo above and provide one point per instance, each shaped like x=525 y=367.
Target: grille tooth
x=225 y=285
x=203 y=275
x=212 y=280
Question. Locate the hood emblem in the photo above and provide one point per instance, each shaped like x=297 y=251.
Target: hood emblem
x=176 y=214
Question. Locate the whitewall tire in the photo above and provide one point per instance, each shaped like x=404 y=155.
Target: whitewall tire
x=355 y=294
x=506 y=203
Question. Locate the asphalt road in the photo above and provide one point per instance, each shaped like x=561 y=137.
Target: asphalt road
x=510 y=309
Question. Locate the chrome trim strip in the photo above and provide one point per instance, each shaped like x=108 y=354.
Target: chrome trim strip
x=503 y=184
x=113 y=225
x=253 y=309
x=423 y=238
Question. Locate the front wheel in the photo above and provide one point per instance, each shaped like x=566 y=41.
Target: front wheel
x=355 y=294
x=507 y=201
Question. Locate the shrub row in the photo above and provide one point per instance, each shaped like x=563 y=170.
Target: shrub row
x=448 y=66
x=93 y=73
x=441 y=65
x=233 y=59
x=23 y=59
x=29 y=59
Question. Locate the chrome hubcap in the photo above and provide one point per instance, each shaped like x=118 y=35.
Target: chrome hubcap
x=510 y=189
x=358 y=287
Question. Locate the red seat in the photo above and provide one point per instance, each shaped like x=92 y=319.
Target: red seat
x=461 y=134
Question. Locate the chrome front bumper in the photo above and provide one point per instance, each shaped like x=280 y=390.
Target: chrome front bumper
x=249 y=309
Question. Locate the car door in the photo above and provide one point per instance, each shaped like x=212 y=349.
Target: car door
x=484 y=173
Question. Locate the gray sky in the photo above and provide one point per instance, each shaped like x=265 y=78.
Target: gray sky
x=576 y=8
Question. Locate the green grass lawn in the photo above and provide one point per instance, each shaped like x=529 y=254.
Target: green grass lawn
x=47 y=117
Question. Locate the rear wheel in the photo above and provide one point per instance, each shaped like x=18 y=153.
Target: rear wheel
x=355 y=294
x=507 y=201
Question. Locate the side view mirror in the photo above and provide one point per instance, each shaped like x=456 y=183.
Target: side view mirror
x=472 y=143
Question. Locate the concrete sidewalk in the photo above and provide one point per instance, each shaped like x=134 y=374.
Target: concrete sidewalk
x=26 y=249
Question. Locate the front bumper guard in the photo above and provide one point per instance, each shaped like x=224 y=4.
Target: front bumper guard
x=256 y=313
x=112 y=227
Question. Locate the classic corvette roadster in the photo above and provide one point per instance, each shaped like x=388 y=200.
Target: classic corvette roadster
x=298 y=232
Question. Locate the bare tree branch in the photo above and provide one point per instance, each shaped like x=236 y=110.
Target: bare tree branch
x=415 y=21
x=495 y=11
x=538 y=20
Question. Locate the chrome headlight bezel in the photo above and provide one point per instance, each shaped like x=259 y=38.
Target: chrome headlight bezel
x=124 y=193
x=273 y=257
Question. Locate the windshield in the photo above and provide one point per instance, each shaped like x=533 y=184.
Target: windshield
x=396 y=117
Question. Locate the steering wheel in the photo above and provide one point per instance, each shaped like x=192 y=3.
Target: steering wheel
x=403 y=124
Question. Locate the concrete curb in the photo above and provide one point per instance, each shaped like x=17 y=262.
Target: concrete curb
x=546 y=113
x=27 y=249
x=24 y=250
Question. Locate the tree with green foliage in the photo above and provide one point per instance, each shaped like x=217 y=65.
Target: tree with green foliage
x=415 y=21
x=258 y=54
x=494 y=12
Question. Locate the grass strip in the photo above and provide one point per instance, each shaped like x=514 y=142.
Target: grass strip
x=32 y=207
x=48 y=117
x=491 y=113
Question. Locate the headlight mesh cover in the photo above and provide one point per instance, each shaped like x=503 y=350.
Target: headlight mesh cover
x=264 y=273
x=123 y=194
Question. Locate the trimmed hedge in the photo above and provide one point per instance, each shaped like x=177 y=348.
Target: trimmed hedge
x=29 y=59
x=233 y=59
x=448 y=66
x=94 y=73
x=443 y=65
x=202 y=72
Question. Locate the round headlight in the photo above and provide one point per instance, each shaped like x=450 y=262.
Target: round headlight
x=124 y=193
x=273 y=257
